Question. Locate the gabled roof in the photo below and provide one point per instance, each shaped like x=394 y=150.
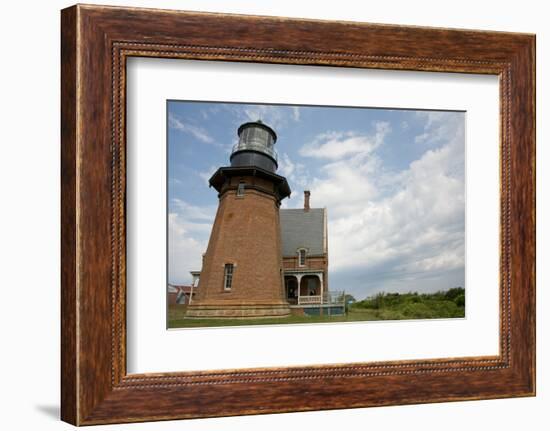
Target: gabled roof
x=174 y=288
x=303 y=229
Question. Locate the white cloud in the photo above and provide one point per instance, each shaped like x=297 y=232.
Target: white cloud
x=295 y=172
x=207 y=112
x=418 y=139
x=198 y=132
x=270 y=115
x=337 y=145
x=189 y=229
x=351 y=169
x=193 y=212
x=296 y=113
x=406 y=222
x=346 y=186
x=276 y=116
x=185 y=250
x=206 y=175
x=438 y=126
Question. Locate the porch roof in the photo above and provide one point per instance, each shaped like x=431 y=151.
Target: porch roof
x=302 y=271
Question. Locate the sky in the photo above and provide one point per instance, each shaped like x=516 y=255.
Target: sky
x=392 y=182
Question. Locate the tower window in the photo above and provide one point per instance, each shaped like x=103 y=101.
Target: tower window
x=228 y=276
x=302 y=257
x=240 y=189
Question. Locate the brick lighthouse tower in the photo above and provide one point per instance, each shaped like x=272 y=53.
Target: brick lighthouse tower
x=242 y=272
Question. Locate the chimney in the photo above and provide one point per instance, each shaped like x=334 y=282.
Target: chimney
x=306 y=200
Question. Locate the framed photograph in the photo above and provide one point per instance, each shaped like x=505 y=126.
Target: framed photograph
x=251 y=221
x=325 y=214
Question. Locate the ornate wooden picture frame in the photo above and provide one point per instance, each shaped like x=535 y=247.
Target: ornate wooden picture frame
x=96 y=41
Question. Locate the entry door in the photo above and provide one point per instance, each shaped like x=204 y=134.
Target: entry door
x=291 y=288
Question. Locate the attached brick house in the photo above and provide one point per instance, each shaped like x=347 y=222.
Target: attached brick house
x=305 y=253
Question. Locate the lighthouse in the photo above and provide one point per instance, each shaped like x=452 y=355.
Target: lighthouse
x=242 y=269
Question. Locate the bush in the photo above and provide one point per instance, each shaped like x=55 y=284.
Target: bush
x=453 y=293
x=442 y=304
x=460 y=300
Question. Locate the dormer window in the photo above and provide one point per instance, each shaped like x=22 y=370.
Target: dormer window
x=302 y=257
x=240 y=189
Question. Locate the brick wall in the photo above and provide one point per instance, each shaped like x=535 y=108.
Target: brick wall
x=312 y=262
x=246 y=233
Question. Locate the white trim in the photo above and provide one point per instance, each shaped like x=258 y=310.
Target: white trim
x=325 y=232
x=299 y=257
x=226 y=275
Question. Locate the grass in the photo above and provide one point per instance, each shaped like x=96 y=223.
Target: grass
x=383 y=306
x=176 y=320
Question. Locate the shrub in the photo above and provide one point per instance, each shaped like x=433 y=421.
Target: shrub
x=412 y=305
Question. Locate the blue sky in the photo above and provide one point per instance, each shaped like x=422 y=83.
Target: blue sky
x=392 y=182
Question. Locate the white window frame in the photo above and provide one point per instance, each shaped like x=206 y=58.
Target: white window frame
x=300 y=250
x=240 y=188
x=228 y=276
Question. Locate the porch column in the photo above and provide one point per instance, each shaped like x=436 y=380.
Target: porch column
x=299 y=278
x=320 y=275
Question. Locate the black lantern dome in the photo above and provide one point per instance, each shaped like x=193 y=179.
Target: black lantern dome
x=255 y=146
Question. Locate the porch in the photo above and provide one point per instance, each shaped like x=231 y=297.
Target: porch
x=306 y=289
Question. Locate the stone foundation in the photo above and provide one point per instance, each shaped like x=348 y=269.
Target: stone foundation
x=237 y=311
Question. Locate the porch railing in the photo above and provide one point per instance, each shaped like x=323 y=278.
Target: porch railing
x=311 y=299
x=334 y=298
x=329 y=298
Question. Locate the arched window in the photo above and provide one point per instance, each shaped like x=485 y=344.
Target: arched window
x=302 y=257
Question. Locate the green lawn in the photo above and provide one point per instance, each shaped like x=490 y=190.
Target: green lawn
x=176 y=320
x=387 y=306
